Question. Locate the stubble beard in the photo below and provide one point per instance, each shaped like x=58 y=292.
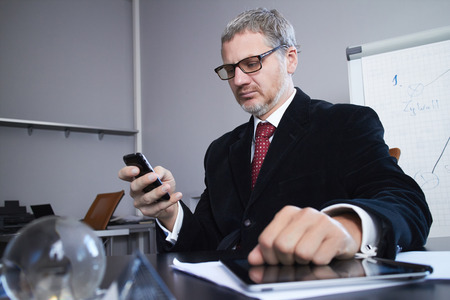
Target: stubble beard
x=260 y=109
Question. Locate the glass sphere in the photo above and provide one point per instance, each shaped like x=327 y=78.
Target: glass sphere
x=53 y=258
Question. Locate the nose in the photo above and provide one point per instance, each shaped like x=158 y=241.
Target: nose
x=240 y=78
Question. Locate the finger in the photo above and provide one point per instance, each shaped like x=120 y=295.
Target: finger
x=163 y=205
x=140 y=183
x=286 y=243
x=337 y=243
x=292 y=236
x=338 y=246
x=150 y=207
x=128 y=173
x=151 y=197
x=313 y=238
x=255 y=257
x=284 y=248
x=161 y=172
x=161 y=191
x=325 y=253
x=324 y=241
x=274 y=230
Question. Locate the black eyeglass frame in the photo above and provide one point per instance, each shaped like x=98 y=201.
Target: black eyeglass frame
x=233 y=66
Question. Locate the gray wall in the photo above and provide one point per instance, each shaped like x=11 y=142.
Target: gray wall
x=71 y=61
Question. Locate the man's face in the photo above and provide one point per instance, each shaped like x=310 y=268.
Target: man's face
x=262 y=92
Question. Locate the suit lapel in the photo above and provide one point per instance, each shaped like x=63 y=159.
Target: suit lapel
x=240 y=162
x=293 y=126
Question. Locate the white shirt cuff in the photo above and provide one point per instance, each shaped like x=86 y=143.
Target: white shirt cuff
x=370 y=231
x=172 y=236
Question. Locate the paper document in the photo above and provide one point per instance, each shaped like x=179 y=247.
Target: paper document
x=439 y=260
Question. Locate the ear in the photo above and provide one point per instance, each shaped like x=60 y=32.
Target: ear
x=291 y=59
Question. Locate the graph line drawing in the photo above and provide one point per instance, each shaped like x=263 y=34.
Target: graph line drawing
x=440 y=156
x=430 y=180
x=415 y=90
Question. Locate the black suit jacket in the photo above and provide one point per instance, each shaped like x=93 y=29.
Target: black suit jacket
x=321 y=154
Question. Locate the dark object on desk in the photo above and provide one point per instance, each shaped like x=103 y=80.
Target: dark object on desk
x=349 y=272
x=13 y=216
x=42 y=210
x=102 y=209
x=139 y=280
x=12 y=207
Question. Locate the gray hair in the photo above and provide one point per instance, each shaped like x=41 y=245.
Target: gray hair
x=276 y=29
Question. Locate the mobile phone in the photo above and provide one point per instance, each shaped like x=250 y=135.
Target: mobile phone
x=140 y=161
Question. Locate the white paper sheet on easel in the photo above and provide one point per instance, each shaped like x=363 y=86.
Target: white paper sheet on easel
x=410 y=91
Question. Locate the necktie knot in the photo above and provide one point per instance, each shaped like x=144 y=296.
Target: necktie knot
x=264 y=130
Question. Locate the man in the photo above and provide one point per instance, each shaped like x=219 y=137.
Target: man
x=327 y=187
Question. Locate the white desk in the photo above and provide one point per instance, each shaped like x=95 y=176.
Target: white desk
x=108 y=236
x=141 y=230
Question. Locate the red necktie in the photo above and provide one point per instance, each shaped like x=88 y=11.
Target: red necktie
x=263 y=133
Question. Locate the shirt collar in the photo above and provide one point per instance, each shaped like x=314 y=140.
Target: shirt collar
x=276 y=116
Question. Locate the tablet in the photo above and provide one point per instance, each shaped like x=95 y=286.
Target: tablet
x=338 y=272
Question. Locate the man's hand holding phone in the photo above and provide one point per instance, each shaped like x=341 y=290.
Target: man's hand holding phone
x=153 y=191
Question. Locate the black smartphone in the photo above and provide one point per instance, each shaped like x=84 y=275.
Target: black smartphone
x=139 y=160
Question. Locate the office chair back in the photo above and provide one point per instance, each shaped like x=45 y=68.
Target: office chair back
x=395 y=152
x=102 y=209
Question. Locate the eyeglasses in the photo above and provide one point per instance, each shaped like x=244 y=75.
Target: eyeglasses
x=247 y=65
